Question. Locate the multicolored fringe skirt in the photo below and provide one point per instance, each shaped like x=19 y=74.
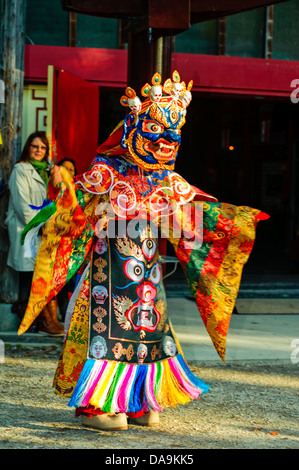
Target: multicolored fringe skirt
x=128 y=388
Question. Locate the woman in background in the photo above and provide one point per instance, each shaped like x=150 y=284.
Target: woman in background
x=28 y=184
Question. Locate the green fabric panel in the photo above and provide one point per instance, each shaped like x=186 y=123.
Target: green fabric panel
x=78 y=251
x=211 y=218
x=41 y=217
x=198 y=256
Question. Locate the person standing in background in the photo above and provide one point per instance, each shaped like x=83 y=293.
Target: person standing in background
x=69 y=164
x=28 y=184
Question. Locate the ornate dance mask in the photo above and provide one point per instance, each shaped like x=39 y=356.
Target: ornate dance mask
x=152 y=130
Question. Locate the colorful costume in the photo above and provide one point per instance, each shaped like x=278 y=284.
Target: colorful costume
x=121 y=354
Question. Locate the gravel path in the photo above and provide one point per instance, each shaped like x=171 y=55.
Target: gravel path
x=252 y=405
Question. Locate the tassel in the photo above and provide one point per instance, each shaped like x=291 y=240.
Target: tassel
x=182 y=381
x=102 y=389
x=158 y=378
x=137 y=386
x=124 y=391
x=171 y=393
x=113 y=388
x=193 y=379
x=82 y=382
x=116 y=400
x=116 y=387
x=150 y=398
x=91 y=385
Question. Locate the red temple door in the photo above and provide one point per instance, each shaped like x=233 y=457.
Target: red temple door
x=73 y=118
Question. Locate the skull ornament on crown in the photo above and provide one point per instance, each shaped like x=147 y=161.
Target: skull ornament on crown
x=152 y=130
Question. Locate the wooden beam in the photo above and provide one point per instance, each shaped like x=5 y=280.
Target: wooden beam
x=12 y=28
x=200 y=10
x=107 y=8
x=169 y=16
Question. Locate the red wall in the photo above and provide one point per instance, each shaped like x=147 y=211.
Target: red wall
x=213 y=74
x=237 y=75
x=104 y=67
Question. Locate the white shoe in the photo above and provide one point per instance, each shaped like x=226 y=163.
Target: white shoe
x=106 y=422
x=148 y=419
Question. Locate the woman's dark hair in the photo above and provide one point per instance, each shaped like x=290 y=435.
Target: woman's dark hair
x=25 y=152
x=61 y=162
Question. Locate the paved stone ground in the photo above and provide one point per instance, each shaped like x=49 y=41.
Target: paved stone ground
x=250 y=405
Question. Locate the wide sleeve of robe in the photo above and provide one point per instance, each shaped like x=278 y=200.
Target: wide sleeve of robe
x=66 y=241
x=213 y=261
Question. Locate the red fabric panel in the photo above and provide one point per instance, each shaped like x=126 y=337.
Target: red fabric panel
x=77 y=120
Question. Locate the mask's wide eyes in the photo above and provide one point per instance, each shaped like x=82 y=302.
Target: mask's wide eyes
x=155 y=274
x=174 y=116
x=152 y=126
x=149 y=248
x=134 y=270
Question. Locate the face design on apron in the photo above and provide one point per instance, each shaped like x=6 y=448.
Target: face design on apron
x=143 y=270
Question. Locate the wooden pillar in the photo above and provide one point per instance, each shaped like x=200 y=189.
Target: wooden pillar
x=269 y=24
x=72 y=29
x=151 y=39
x=222 y=36
x=12 y=26
x=148 y=53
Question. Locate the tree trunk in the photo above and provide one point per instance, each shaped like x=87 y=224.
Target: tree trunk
x=12 y=40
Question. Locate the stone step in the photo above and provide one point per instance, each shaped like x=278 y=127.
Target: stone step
x=30 y=339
